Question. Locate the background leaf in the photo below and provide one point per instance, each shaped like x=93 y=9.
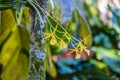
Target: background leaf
x=110 y=57
x=83 y=28
x=50 y=67
x=5 y=6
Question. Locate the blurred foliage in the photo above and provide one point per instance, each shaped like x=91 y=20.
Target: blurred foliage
x=77 y=17
x=14 y=45
x=51 y=24
x=106 y=33
x=76 y=23
x=83 y=30
x=50 y=67
x=105 y=64
x=81 y=69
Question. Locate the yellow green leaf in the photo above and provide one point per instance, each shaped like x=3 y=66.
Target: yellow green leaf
x=50 y=68
x=14 y=48
x=83 y=28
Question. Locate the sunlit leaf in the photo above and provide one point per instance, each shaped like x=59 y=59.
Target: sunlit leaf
x=57 y=12
x=14 y=48
x=99 y=64
x=83 y=28
x=50 y=68
x=71 y=27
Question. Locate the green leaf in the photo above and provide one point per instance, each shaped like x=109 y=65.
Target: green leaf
x=71 y=27
x=83 y=28
x=60 y=32
x=98 y=64
x=57 y=12
x=5 y=6
x=110 y=57
x=14 y=48
x=50 y=67
x=52 y=23
x=3 y=1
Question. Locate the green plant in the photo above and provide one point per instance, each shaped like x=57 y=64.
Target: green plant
x=35 y=49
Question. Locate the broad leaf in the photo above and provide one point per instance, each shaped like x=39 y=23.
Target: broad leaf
x=14 y=48
x=83 y=28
